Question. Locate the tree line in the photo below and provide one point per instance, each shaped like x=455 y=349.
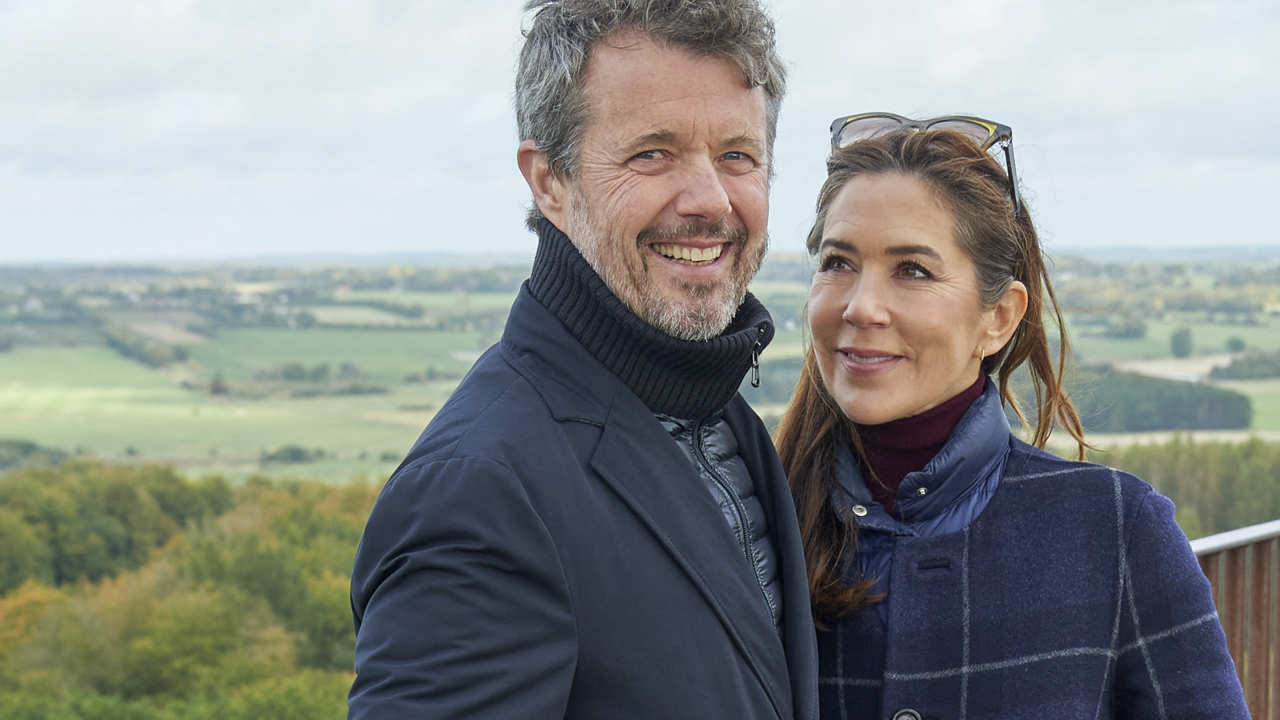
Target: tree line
x=1108 y=400
x=230 y=604
x=1217 y=486
x=134 y=593
x=1253 y=365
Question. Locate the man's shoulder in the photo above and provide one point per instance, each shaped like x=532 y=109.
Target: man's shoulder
x=491 y=401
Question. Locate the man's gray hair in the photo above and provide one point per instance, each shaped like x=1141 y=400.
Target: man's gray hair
x=550 y=103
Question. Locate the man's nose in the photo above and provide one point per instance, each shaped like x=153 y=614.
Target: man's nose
x=866 y=304
x=703 y=194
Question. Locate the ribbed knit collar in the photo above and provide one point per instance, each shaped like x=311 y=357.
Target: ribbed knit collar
x=905 y=445
x=681 y=378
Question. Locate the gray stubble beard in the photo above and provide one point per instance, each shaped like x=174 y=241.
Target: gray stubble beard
x=693 y=321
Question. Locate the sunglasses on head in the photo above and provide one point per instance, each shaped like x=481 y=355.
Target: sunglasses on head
x=849 y=129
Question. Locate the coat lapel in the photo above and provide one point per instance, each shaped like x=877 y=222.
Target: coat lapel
x=641 y=463
x=772 y=488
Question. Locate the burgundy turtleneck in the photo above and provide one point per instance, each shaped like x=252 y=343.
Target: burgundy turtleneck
x=902 y=446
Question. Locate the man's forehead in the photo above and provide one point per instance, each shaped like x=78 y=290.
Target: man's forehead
x=643 y=87
x=640 y=54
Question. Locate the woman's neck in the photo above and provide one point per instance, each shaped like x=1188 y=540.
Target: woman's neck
x=893 y=449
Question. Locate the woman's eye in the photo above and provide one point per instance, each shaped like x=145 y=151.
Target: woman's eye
x=914 y=271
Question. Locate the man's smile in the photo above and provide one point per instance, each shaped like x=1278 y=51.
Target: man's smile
x=689 y=254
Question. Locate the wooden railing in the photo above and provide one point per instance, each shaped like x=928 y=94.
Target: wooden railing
x=1243 y=566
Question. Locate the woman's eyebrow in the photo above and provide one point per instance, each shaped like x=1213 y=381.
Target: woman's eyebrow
x=913 y=250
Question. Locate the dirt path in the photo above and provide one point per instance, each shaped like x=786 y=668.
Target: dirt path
x=1192 y=368
x=1104 y=441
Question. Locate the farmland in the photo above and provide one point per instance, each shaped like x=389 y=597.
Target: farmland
x=234 y=425
x=333 y=372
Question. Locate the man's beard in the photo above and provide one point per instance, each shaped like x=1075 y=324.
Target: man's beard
x=708 y=308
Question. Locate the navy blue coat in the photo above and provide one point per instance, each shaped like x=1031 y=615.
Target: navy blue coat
x=546 y=551
x=1024 y=586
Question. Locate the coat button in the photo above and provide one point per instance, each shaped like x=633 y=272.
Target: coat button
x=860 y=510
x=906 y=714
x=922 y=491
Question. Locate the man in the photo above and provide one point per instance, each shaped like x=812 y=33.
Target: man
x=596 y=525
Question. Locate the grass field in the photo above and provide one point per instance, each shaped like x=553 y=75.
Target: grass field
x=386 y=356
x=341 y=314
x=1206 y=339
x=1265 y=396
x=455 y=302
x=92 y=401
x=785 y=344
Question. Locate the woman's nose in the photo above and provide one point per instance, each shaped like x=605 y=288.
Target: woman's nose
x=866 y=305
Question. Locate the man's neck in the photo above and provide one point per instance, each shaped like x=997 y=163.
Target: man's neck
x=676 y=377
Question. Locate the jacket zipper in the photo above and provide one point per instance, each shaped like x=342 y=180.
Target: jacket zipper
x=755 y=357
x=744 y=536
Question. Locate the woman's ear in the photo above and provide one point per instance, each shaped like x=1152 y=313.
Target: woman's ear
x=550 y=193
x=1003 y=319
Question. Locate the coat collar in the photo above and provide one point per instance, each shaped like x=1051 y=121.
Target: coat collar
x=979 y=439
x=680 y=378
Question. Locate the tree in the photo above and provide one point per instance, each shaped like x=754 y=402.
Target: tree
x=218 y=386
x=1127 y=326
x=293 y=372
x=1235 y=345
x=24 y=554
x=1180 y=341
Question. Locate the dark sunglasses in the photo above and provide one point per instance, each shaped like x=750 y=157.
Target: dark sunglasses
x=849 y=129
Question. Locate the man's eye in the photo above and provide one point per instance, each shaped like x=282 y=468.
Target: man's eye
x=834 y=262
x=647 y=155
x=739 y=160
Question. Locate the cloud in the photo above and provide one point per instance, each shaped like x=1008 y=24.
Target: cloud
x=220 y=127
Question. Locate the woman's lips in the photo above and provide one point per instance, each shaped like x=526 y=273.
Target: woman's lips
x=868 y=362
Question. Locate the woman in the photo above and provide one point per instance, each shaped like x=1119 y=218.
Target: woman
x=956 y=571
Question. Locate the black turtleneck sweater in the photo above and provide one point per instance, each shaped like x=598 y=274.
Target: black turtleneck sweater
x=680 y=378
x=675 y=379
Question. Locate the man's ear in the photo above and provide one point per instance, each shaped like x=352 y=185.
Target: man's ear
x=550 y=193
x=1005 y=316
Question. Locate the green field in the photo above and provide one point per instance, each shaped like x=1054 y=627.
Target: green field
x=91 y=401
x=785 y=344
x=450 y=301
x=1265 y=396
x=386 y=356
x=341 y=314
x=1206 y=339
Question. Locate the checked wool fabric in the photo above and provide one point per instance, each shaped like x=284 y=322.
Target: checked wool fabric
x=1073 y=595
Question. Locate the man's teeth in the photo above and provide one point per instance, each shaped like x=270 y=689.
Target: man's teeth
x=690 y=254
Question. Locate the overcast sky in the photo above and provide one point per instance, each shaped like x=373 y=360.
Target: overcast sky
x=164 y=129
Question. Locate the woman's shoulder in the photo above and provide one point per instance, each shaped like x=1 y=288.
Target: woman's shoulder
x=1035 y=469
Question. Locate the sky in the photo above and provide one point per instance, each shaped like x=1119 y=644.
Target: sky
x=161 y=130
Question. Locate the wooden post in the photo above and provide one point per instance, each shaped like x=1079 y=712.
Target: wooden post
x=1258 y=654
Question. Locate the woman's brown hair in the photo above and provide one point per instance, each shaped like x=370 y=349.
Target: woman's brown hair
x=1003 y=247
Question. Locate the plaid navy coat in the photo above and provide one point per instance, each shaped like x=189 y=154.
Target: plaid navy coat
x=1061 y=590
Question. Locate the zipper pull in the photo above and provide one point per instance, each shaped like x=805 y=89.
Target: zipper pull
x=755 y=362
